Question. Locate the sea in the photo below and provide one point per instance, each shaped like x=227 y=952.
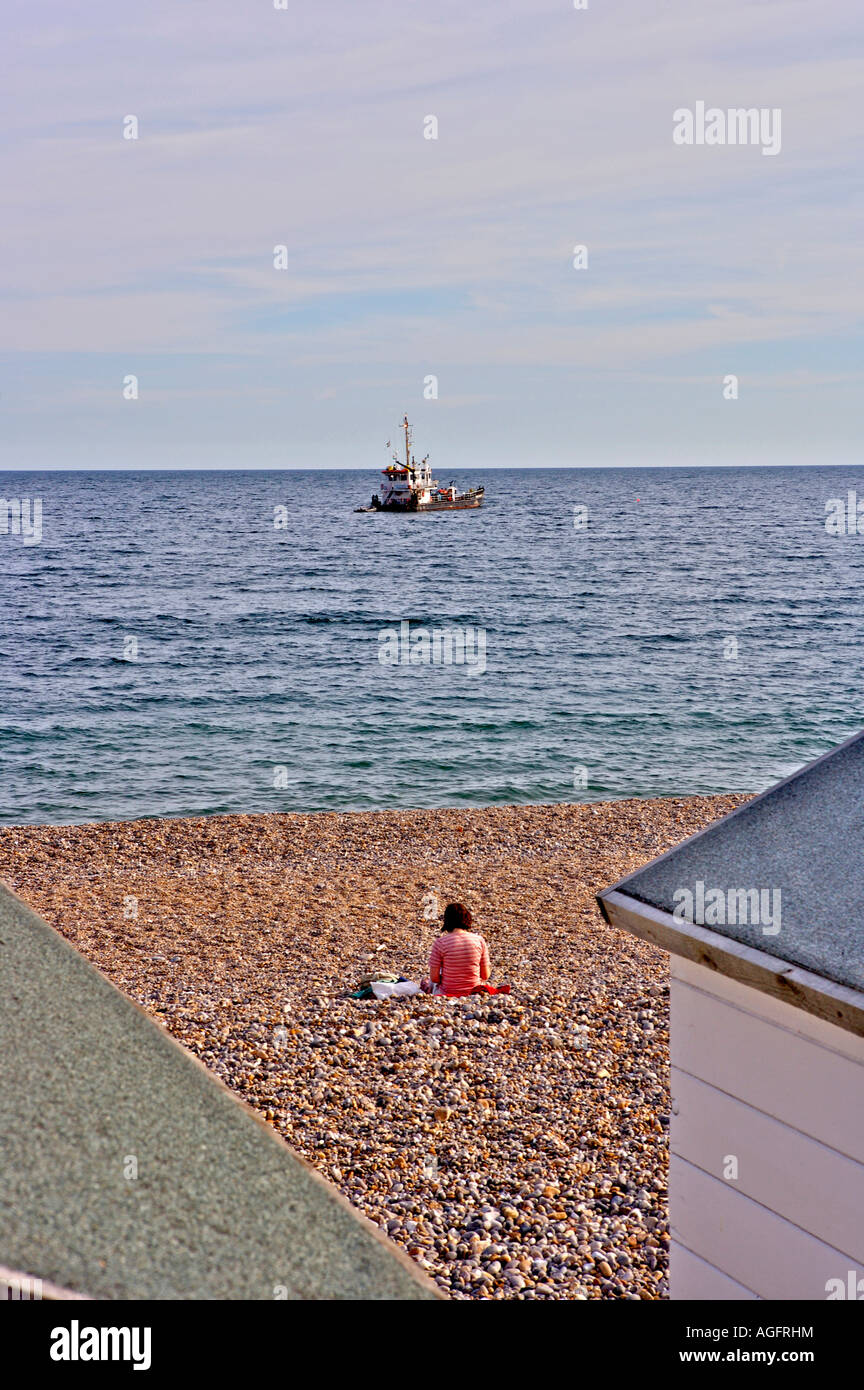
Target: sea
x=186 y=643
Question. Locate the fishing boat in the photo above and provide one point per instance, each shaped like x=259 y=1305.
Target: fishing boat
x=409 y=487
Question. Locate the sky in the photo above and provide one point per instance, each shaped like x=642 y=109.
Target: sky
x=407 y=257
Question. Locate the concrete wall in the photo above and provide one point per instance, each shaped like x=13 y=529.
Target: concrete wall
x=781 y=1092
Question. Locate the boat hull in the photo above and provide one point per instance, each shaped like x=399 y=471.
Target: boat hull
x=470 y=504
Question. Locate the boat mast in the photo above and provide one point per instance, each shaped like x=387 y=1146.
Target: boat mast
x=407 y=444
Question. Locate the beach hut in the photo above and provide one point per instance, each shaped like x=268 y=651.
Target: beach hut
x=130 y=1172
x=763 y=916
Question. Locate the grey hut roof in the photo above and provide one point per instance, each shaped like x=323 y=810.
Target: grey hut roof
x=803 y=837
x=221 y=1207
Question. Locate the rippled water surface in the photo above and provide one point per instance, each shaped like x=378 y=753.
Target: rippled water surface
x=257 y=683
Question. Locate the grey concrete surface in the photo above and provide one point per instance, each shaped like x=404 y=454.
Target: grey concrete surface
x=803 y=837
x=221 y=1207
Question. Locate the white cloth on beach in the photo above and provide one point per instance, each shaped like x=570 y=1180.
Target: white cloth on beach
x=382 y=990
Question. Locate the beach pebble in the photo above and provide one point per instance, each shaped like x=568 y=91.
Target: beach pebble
x=515 y=1148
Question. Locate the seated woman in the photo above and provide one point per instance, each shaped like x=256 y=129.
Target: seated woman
x=459 y=963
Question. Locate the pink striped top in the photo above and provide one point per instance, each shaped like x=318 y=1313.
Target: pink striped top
x=459 y=961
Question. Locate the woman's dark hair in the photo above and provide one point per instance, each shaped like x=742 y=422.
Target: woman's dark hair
x=455 y=915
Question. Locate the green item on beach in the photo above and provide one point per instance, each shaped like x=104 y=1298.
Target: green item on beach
x=364 y=991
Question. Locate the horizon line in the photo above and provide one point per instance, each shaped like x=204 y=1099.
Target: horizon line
x=468 y=468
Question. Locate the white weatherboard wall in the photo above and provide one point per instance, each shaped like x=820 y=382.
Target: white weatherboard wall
x=781 y=1091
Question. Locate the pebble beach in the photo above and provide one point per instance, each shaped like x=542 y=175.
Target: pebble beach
x=515 y=1145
